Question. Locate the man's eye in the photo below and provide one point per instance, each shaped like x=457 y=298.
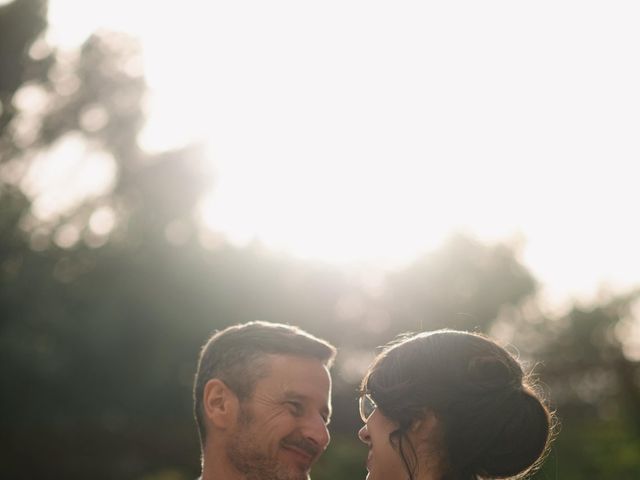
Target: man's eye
x=295 y=407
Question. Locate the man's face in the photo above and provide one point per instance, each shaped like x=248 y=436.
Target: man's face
x=282 y=427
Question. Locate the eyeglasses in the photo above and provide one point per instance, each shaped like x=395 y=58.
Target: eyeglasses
x=367 y=407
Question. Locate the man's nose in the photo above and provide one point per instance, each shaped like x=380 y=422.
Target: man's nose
x=316 y=430
x=363 y=434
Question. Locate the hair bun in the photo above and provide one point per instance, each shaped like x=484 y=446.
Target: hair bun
x=522 y=439
x=494 y=373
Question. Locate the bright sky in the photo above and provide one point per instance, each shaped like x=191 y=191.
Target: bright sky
x=368 y=130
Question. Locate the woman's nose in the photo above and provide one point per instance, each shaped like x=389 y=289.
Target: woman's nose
x=363 y=434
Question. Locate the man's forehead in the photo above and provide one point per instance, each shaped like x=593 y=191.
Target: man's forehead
x=295 y=374
x=290 y=360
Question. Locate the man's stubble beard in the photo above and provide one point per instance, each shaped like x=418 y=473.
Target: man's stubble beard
x=247 y=457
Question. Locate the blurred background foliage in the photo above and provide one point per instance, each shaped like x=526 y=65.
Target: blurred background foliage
x=105 y=303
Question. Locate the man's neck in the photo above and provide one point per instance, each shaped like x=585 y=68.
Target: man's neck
x=216 y=467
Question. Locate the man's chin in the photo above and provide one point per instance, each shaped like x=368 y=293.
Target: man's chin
x=298 y=464
x=296 y=473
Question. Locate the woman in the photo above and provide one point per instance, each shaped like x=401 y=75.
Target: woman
x=450 y=405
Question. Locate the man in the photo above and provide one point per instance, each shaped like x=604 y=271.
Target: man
x=262 y=402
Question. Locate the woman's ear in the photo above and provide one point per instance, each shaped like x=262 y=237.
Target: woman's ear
x=426 y=425
x=426 y=436
x=220 y=404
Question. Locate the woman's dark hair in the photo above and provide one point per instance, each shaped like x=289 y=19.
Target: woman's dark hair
x=491 y=421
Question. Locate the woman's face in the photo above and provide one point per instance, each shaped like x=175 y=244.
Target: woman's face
x=383 y=461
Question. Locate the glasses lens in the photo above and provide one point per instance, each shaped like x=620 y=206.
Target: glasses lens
x=367 y=406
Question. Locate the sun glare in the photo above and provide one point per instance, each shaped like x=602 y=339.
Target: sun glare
x=70 y=172
x=358 y=130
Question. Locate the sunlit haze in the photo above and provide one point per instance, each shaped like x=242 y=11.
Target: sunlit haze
x=353 y=131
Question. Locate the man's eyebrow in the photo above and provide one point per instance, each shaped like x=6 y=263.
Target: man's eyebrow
x=291 y=395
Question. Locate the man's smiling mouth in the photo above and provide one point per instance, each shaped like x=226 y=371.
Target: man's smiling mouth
x=303 y=459
x=302 y=447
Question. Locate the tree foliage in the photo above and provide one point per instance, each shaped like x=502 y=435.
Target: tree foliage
x=101 y=325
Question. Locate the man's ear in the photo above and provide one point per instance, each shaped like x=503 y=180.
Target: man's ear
x=220 y=404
